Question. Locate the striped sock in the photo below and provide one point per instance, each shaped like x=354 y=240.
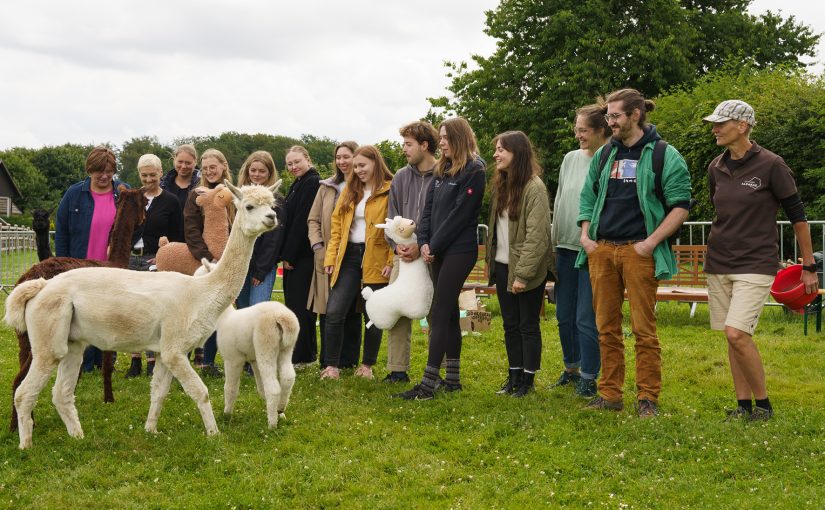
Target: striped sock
x=430 y=378
x=453 y=371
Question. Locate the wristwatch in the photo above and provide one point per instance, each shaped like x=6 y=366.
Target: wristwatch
x=810 y=269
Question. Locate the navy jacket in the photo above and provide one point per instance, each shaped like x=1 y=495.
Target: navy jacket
x=74 y=219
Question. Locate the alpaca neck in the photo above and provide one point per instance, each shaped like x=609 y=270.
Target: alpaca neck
x=121 y=243
x=217 y=223
x=228 y=276
x=44 y=249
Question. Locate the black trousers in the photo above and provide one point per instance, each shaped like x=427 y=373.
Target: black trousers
x=296 y=294
x=449 y=274
x=520 y=314
x=342 y=296
x=351 y=350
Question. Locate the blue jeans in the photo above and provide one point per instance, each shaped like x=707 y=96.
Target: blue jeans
x=577 y=320
x=252 y=295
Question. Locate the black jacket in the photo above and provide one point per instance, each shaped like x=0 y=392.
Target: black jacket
x=450 y=217
x=265 y=254
x=168 y=183
x=298 y=203
x=163 y=218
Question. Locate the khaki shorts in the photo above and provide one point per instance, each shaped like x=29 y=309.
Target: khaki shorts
x=736 y=300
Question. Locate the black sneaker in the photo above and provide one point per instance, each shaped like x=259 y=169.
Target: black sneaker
x=512 y=382
x=134 y=369
x=211 y=371
x=586 y=388
x=397 y=377
x=566 y=378
x=417 y=392
x=448 y=387
x=646 y=409
x=740 y=413
x=760 y=414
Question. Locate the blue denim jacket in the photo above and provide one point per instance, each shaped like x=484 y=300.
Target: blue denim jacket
x=74 y=219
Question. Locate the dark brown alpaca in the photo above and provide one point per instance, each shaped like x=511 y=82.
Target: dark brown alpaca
x=41 y=225
x=131 y=211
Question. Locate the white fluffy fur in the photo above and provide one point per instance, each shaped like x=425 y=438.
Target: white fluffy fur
x=411 y=294
x=128 y=311
x=264 y=335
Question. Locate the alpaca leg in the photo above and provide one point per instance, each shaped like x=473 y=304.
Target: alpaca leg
x=193 y=386
x=232 y=373
x=26 y=395
x=259 y=384
x=161 y=380
x=24 y=370
x=108 y=367
x=286 y=376
x=64 y=386
x=272 y=391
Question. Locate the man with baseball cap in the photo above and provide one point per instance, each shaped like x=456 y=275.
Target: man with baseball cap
x=748 y=184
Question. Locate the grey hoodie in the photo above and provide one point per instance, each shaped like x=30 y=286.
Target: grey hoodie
x=408 y=194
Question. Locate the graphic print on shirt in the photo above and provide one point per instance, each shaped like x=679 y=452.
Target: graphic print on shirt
x=624 y=169
x=753 y=183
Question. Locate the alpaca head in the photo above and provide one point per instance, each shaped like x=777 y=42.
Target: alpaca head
x=399 y=229
x=40 y=220
x=255 y=206
x=131 y=203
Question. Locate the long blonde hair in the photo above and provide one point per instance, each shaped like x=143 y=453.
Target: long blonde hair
x=264 y=158
x=463 y=146
x=215 y=153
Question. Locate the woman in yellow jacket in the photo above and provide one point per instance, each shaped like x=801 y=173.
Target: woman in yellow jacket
x=357 y=255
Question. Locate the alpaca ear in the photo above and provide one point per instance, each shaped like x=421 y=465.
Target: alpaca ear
x=235 y=191
x=274 y=187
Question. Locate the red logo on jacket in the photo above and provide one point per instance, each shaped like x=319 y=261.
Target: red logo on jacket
x=469 y=191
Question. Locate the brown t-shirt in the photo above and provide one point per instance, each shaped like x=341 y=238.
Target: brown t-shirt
x=744 y=237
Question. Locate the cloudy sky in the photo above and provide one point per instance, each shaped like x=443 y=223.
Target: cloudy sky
x=89 y=71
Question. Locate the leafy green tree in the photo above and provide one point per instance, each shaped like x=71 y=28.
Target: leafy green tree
x=392 y=153
x=132 y=150
x=32 y=184
x=62 y=166
x=555 y=55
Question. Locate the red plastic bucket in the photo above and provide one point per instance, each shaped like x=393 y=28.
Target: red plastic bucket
x=789 y=291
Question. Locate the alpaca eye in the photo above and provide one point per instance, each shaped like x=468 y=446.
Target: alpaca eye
x=249 y=207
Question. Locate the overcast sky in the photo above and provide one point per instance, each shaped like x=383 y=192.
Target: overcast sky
x=89 y=71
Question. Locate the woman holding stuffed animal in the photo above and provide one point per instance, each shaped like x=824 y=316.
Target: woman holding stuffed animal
x=358 y=255
x=448 y=241
x=214 y=169
x=319 y=223
x=519 y=255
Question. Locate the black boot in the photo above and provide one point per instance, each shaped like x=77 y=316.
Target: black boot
x=150 y=367
x=526 y=385
x=512 y=382
x=134 y=369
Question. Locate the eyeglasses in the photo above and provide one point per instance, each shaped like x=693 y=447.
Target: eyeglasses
x=613 y=116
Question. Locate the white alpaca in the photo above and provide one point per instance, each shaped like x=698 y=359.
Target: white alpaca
x=129 y=311
x=264 y=335
x=411 y=294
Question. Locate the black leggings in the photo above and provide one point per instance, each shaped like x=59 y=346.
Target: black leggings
x=449 y=274
x=520 y=314
x=296 y=295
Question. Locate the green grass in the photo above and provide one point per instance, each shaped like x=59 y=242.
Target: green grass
x=347 y=444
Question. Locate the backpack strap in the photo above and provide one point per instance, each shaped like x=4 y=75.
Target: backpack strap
x=605 y=155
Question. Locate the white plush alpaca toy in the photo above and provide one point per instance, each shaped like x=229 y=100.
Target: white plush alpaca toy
x=411 y=294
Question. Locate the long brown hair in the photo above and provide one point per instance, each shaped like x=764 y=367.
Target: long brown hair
x=509 y=183
x=463 y=146
x=352 y=146
x=354 y=191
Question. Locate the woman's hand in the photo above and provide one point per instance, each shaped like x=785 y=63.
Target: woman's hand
x=517 y=287
x=329 y=269
x=255 y=282
x=288 y=266
x=386 y=271
x=425 y=253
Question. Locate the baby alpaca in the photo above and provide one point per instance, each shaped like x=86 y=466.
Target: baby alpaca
x=264 y=335
x=411 y=294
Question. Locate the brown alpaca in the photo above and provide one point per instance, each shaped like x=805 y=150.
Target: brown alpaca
x=177 y=257
x=131 y=211
x=41 y=224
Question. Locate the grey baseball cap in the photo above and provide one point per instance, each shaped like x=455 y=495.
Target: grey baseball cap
x=732 y=109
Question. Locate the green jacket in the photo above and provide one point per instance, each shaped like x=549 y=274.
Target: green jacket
x=676 y=188
x=531 y=254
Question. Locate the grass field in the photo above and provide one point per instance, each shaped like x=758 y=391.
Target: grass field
x=346 y=444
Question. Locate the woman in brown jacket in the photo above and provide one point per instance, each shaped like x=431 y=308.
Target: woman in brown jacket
x=357 y=255
x=519 y=255
x=319 y=224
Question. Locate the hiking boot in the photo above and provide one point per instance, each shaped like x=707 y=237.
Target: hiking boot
x=601 y=404
x=211 y=371
x=740 y=413
x=397 y=377
x=760 y=414
x=646 y=409
x=586 y=388
x=417 y=392
x=512 y=382
x=566 y=378
x=525 y=386
x=134 y=369
x=150 y=368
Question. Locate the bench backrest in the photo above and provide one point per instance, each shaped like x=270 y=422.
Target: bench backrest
x=690 y=259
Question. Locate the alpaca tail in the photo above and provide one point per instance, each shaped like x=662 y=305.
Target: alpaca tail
x=16 y=303
x=290 y=327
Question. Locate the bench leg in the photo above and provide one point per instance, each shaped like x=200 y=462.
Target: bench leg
x=693 y=309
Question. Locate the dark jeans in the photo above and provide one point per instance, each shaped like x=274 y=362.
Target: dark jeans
x=342 y=296
x=296 y=295
x=93 y=357
x=520 y=314
x=210 y=349
x=449 y=273
x=351 y=349
x=577 y=320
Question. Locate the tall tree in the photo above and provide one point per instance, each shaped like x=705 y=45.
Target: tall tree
x=132 y=150
x=555 y=55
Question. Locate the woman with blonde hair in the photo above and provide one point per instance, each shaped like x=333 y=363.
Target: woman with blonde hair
x=358 y=255
x=214 y=169
x=448 y=240
x=320 y=226
x=296 y=254
x=184 y=176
